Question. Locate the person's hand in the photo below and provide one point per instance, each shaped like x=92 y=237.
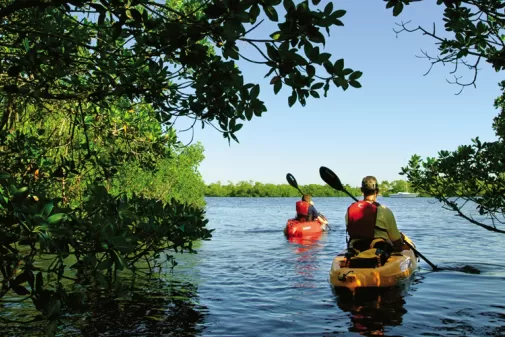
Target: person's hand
x=405 y=246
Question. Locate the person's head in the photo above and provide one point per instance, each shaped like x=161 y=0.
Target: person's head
x=369 y=186
x=307 y=198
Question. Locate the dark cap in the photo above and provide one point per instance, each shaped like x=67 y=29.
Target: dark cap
x=369 y=183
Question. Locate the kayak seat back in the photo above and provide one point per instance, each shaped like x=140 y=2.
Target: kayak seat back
x=363 y=245
x=370 y=258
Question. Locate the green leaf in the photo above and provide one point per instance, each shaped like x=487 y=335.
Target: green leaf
x=55 y=218
x=323 y=57
x=316 y=2
x=292 y=99
x=338 y=13
x=275 y=79
x=214 y=11
x=328 y=8
x=237 y=127
x=234 y=138
x=398 y=8
x=272 y=52
x=135 y=15
x=232 y=29
x=316 y=36
x=275 y=36
x=254 y=12
x=355 y=75
x=314 y=94
x=230 y=51
x=317 y=86
x=270 y=72
x=21 y=193
x=277 y=87
x=255 y=91
x=26 y=44
x=119 y=260
x=89 y=120
x=308 y=49
x=355 y=84
x=249 y=113
x=116 y=30
x=347 y=71
x=288 y=5
x=311 y=70
x=329 y=67
x=341 y=82
x=25 y=276
x=338 y=66
x=48 y=208
x=20 y=290
x=105 y=264
x=4 y=175
x=271 y=13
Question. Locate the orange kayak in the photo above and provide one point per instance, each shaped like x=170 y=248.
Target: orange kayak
x=397 y=269
x=305 y=228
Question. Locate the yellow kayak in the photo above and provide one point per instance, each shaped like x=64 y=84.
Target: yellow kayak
x=398 y=268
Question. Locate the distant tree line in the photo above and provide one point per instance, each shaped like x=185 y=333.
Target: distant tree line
x=257 y=189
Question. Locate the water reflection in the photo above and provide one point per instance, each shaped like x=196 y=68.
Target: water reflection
x=372 y=310
x=306 y=248
x=306 y=243
x=152 y=308
x=169 y=310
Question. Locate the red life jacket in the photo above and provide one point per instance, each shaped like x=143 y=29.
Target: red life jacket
x=302 y=210
x=361 y=218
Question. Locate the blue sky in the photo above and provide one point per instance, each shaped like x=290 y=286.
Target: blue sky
x=373 y=130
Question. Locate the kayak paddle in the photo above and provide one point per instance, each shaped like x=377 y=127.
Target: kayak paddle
x=332 y=179
x=292 y=181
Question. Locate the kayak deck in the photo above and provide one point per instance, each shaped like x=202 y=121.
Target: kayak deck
x=398 y=268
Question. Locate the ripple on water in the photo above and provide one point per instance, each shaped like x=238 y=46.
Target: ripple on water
x=250 y=281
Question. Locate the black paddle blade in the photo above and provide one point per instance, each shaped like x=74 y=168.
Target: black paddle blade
x=330 y=178
x=291 y=180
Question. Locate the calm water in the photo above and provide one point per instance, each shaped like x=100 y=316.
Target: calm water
x=254 y=282
x=250 y=281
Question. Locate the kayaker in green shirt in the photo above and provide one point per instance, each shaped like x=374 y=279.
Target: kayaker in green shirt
x=367 y=220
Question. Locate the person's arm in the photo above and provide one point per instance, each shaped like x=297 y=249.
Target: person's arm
x=314 y=212
x=393 y=232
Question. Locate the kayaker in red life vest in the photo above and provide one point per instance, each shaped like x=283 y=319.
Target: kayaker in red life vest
x=305 y=209
x=368 y=220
